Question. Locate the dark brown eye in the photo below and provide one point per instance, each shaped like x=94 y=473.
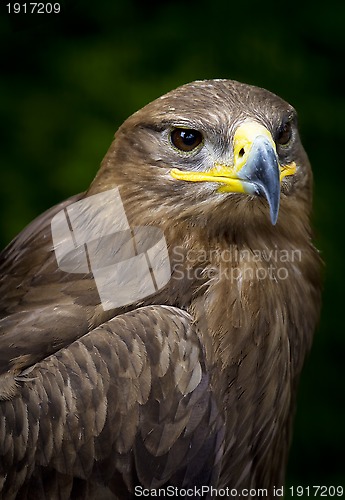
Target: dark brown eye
x=186 y=139
x=284 y=134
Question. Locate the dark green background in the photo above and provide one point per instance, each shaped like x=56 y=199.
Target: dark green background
x=69 y=80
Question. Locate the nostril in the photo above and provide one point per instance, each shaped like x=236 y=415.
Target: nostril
x=241 y=152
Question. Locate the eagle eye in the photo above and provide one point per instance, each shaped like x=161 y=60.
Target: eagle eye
x=185 y=139
x=284 y=134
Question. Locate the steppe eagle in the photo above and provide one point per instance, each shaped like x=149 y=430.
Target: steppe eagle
x=153 y=329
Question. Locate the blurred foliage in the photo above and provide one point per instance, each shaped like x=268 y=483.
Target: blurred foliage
x=69 y=80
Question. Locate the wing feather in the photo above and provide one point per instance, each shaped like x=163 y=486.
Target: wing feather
x=112 y=409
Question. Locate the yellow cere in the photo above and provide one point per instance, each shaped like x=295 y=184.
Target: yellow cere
x=244 y=138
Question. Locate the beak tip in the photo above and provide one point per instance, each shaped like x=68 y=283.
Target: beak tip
x=274 y=219
x=274 y=212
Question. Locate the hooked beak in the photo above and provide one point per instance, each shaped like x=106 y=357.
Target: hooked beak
x=256 y=169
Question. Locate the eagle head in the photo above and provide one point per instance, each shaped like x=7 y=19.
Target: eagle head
x=217 y=152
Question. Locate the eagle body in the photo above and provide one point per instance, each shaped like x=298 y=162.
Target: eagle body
x=192 y=385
